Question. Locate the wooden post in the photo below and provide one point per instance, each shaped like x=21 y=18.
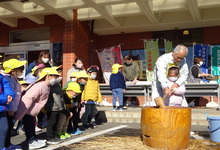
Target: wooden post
x=166 y=128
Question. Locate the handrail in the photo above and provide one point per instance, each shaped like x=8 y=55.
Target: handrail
x=192 y=90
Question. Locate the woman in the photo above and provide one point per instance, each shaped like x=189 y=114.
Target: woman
x=44 y=58
x=77 y=67
x=195 y=76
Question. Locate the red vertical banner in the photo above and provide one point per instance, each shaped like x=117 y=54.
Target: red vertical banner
x=117 y=56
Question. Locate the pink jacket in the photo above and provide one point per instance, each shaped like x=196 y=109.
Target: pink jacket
x=177 y=98
x=33 y=100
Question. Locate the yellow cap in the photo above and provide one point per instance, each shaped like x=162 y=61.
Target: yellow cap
x=115 y=68
x=73 y=86
x=82 y=74
x=23 y=82
x=57 y=67
x=12 y=64
x=74 y=74
x=48 y=71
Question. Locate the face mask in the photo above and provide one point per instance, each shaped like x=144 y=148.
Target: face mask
x=93 y=76
x=79 y=65
x=201 y=62
x=74 y=96
x=73 y=79
x=19 y=74
x=127 y=63
x=45 y=60
x=53 y=81
x=82 y=83
x=173 y=79
x=59 y=79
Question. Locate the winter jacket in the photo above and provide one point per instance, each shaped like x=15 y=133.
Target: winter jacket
x=176 y=99
x=131 y=71
x=56 y=99
x=117 y=81
x=16 y=87
x=91 y=91
x=33 y=100
x=5 y=90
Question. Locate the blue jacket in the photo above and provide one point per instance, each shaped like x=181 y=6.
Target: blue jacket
x=30 y=67
x=5 y=90
x=117 y=81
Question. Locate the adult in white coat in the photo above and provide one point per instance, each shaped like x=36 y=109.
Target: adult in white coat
x=163 y=63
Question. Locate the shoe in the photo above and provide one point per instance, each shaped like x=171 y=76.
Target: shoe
x=114 y=109
x=67 y=135
x=14 y=147
x=93 y=125
x=77 y=132
x=36 y=144
x=61 y=136
x=37 y=129
x=41 y=141
x=124 y=107
x=120 y=109
x=53 y=141
x=14 y=132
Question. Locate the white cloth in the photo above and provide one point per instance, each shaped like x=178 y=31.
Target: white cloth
x=159 y=78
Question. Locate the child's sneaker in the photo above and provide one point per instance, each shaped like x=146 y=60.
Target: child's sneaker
x=62 y=136
x=35 y=144
x=77 y=132
x=66 y=135
x=114 y=109
x=121 y=109
x=53 y=141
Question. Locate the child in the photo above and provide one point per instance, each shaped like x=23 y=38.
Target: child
x=73 y=76
x=90 y=96
x=34 y=74
x=53 y=108
x=82 y=78
x=71 y=92
x=33 y=100
x=6 y=96
x=117 y=86
x=24 y=85
x=13 y=69
x=177 y=97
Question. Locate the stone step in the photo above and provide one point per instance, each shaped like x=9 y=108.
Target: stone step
x=198 y=116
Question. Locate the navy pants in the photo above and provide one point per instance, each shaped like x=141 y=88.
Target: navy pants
x=3 y=129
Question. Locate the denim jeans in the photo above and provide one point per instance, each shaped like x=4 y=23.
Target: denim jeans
x=3 y=129
x=117 y=93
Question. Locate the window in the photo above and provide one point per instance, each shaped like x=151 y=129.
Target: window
x=29 y=35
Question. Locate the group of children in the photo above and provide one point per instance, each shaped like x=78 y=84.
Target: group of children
x=42 y=92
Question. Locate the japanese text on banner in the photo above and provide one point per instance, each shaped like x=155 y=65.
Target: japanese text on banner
x=216 y=60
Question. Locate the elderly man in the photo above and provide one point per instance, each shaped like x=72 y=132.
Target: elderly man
x=175 y=58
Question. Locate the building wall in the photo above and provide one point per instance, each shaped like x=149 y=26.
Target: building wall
x=75 y=43
x=211 y=35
